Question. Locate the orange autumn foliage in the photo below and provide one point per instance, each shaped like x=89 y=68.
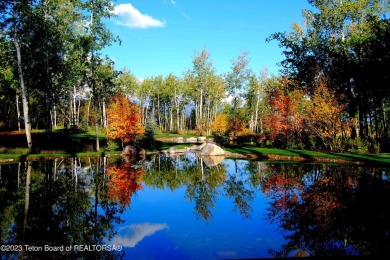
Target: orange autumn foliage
x=124 y=181
x=124 y=120
x=326 y=118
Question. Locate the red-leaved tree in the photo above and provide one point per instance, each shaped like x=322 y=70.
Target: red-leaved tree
x=285 y=121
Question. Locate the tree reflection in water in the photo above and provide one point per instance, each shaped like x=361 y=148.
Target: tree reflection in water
x=125 y=180
x=64 y=202
x=236 y=189
x=327 y=210
x=322 y=209
x=190 y=170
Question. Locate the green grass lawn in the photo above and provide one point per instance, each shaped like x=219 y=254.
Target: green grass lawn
x=382 y=158
x=82 y=143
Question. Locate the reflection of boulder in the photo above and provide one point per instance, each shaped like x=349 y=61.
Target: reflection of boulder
x=200 y=147
x=212 y=149
x=129 y=150
x=130 y=153
x=194 y=148
x=213 y=160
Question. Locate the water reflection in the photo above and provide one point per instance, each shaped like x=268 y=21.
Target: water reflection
x=125 y=179
x=328 y=210
x=63 y=202
x=131 y=235
x=320 y=209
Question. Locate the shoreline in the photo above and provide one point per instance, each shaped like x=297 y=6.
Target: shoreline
x=230 y=155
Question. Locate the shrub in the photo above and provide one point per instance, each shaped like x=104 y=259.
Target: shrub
x=112 y=146
x=150 y=130
x=357 y=145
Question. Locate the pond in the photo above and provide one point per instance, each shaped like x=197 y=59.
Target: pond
x=191 y=207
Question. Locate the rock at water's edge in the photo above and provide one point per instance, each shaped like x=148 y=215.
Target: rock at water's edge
x=212 y=149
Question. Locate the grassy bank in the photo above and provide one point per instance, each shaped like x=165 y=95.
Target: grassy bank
x=82 y=143
x=306 y=155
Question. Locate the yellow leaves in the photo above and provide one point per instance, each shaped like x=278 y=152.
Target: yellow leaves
x=325 y=115
x=220 y=124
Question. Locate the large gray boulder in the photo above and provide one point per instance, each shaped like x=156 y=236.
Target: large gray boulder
x=133 y=151
x=213 y=160
x=212 y=149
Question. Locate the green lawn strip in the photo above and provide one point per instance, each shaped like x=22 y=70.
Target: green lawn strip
x=47 y=155
x=56 y=155
x=10 y=156
x=309 y=155
x=112 y=152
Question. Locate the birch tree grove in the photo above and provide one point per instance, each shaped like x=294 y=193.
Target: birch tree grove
x=237 y=81
x=205 y=89
x=53 y=75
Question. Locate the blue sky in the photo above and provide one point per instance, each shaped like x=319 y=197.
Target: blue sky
x=161 y=36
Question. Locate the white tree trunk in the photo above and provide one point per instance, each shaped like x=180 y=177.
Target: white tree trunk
x=18 y=110
x=27 y=123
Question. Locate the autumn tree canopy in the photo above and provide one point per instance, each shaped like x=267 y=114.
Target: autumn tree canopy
x=124 y=120
x=125 y=181
x=220 y=125
x=326 y=118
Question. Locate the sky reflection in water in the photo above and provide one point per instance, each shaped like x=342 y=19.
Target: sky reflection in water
x=226 y=233
x=179 y=208
x=163 y=224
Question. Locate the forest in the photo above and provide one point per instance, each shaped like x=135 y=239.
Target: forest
x=332 y=92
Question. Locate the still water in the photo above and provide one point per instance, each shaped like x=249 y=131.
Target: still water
x=191 y=207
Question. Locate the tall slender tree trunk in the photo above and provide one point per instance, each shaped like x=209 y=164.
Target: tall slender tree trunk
x=153 y=115
x=74 y=112
x=96 y=127
x=54 y=122
x=158 y=112
x=26 y=204
x=88 y=109
x=104 y=113
x=256 y=126
x=18 y=110
x=196 y=114
x=27 y=123
x=78 y=112
x=201 y=104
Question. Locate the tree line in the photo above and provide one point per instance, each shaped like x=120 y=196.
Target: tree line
x=332 y=91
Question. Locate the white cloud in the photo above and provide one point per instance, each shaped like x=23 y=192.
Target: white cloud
x=173 y=2
x=136 y=232
x=133 y=18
